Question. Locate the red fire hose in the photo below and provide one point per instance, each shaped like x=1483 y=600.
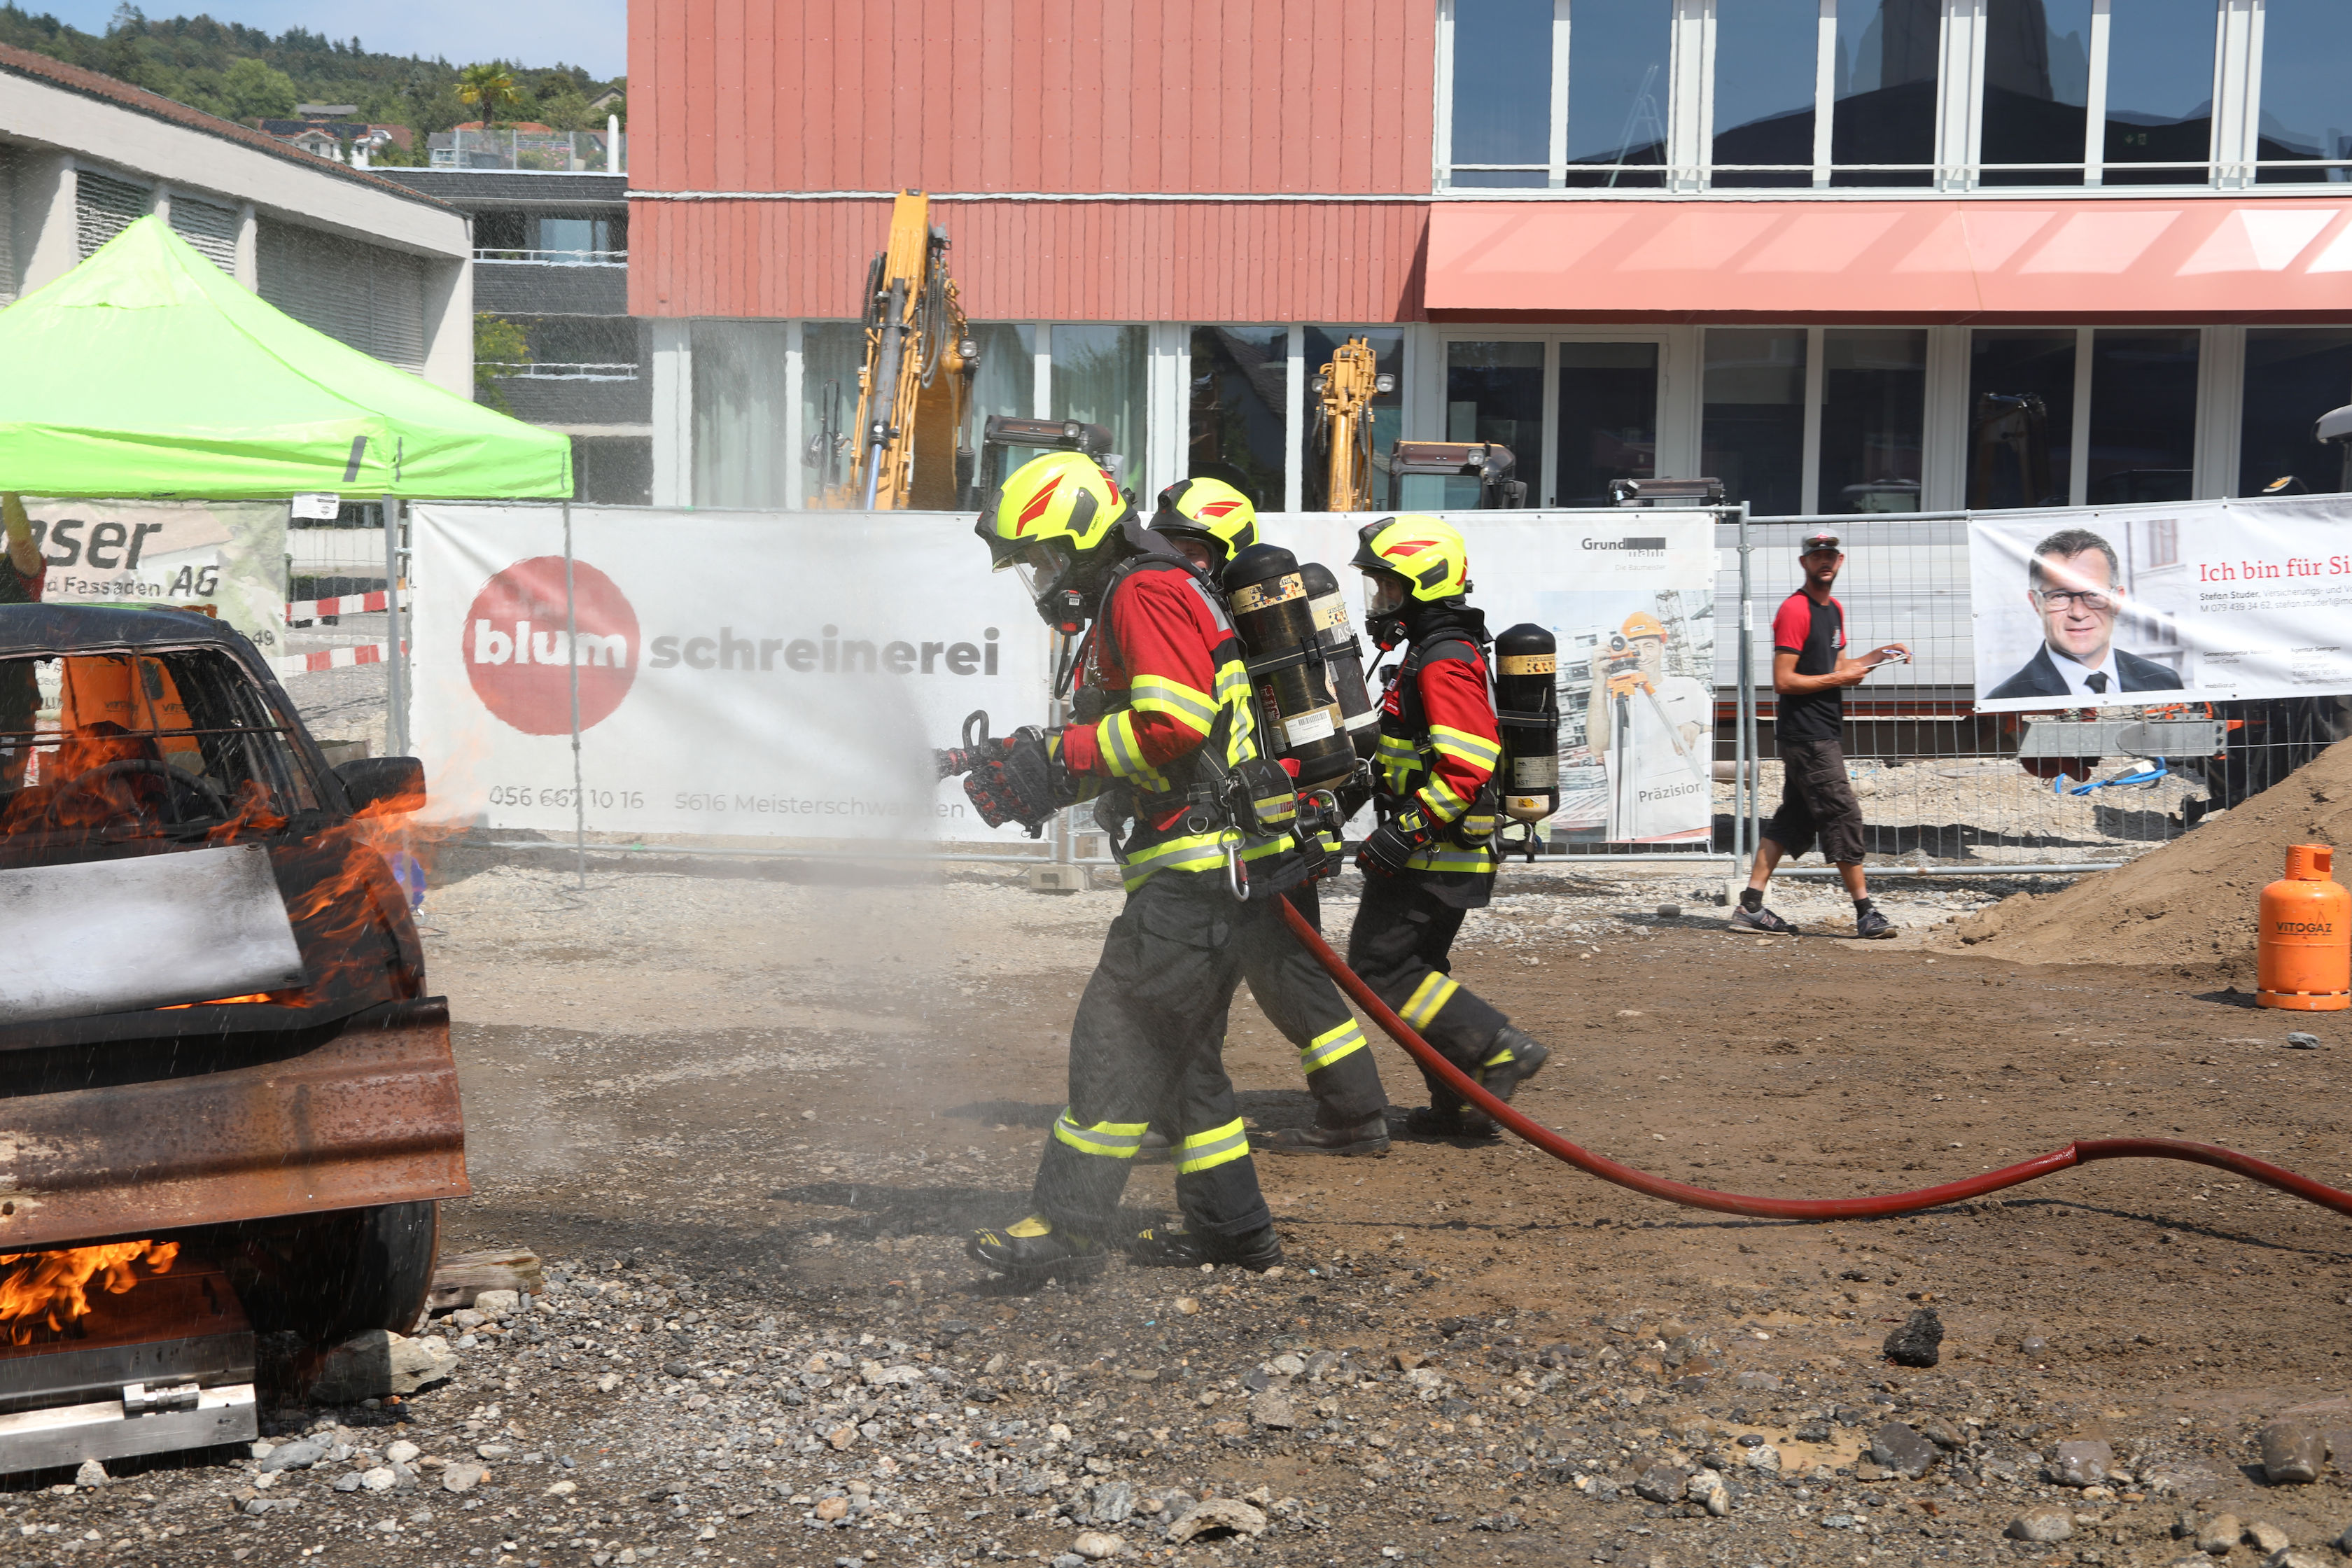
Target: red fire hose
x=2080 y=1152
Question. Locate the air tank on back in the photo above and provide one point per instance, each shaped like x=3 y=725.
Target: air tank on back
x=1343 y=657
x=1276 y=622
x=1527 y=710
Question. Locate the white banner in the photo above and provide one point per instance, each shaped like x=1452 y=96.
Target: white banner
x=2194 y=601
x=1637 y=720
x=740 y=674
x=226 y=556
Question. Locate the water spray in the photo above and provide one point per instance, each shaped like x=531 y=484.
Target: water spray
x=2082 y=1152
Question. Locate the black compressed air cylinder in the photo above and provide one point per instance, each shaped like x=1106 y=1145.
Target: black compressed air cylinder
x=1526 y=663
x=1343 y=657
x=1276 y=622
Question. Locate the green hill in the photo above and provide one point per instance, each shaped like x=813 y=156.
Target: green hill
x=243 y=73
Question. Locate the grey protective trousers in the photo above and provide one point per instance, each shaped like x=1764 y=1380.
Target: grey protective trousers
x=1149 y=1041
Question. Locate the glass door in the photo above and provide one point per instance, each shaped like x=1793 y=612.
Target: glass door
x=1607 y=418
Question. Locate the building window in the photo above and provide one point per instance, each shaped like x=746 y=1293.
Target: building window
x=1766 y=59
x=1494 y=393
x=2037 y=87
x=1752 y=426
x=1102 y=375
x=2160 y=92
x=1883 y=124
x=1239 y=406
x=1388 y=410
x=1007 y=381
x=1607 y=420
x=1874 y=417
x=2143 y=436
x=2020 y=417
x=1501 y=92
x=831 y=354
x=1617 y=85
x=2306 y=110
x=364 y=295
x=740 y=454
x=2293 y=374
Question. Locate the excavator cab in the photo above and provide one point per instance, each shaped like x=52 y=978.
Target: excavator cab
x=1452 y=476
x=1006 y=443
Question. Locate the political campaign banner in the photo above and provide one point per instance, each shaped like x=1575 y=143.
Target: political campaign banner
x=737 y=674
x=2152 y=605
x=1630 y=596
x=228 y=557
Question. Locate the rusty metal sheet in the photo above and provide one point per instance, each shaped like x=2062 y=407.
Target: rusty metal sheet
x=370 y=1116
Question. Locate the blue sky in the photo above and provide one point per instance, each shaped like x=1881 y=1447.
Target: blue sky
x=589 y=33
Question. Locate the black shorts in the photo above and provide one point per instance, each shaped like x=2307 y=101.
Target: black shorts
x=1817 y=802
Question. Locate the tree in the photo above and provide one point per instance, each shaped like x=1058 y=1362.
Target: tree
x=487 y=89
x=254 y=90
x=500 y=348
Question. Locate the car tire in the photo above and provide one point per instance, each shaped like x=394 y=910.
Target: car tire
x=324 y=1277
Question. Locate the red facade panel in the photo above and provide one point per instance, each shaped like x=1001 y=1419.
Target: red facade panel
x=1051 y=261
x=1298 y=97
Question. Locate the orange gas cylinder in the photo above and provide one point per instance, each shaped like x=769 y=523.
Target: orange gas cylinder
x=2306 y=958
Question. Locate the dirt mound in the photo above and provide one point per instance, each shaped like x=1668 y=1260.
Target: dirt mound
x=2192 y=902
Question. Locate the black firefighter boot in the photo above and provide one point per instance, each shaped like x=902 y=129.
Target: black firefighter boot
x=1446 y=1116
x=1033 y=1251
x=1512 y=1058
x=1174 y=1246
x=1370 y=1136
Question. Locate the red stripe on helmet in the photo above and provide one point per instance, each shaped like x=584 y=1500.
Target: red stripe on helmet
x=1037 y=504
x=1219 y=508
x=1408 y=546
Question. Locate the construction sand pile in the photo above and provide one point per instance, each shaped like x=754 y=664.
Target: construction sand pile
x=2191 y=902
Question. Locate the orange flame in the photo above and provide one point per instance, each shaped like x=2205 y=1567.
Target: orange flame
x=51 y=1289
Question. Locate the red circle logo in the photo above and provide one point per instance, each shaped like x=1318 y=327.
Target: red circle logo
x=518 y=648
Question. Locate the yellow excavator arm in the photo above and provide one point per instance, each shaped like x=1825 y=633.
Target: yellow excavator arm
x=1344 y=390
x=915 y=388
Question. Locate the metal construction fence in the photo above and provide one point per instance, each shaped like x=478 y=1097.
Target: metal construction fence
x=1944 y=788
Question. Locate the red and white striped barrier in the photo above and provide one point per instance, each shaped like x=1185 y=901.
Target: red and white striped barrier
x=349 y=605
x=332 y=659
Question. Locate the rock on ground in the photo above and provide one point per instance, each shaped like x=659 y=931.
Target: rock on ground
x=2293 y=1453
x=1918 y=1341
x=2046 y=1524
x=2081 y=1464
x=1218 y=1513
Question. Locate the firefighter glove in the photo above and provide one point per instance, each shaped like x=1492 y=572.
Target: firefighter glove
x=1387 y=847
x=1017 y=783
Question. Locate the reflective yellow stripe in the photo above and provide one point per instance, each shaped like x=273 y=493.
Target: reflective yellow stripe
x=1330 y=1046
x=1157 y=694
x=1439 y=800
x=1450 y=859
x=1499 y=1058
x=1396 y=748
x=1460 y=744
x=1114 y=1140
x=1433 y=993
x=1232 y=681
x=1190 y=852
x=1206 y=1150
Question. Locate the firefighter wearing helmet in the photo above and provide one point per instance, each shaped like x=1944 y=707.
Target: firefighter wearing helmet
x=1431 y=859
x=1162 y=726
x=1211 y=523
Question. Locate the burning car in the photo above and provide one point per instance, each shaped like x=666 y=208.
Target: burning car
x=228 y=1105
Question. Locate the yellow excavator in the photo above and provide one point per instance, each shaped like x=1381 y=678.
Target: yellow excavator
x=1427 y=476
x=908 y=447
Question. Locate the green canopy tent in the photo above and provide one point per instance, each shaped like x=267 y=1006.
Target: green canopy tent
x=147 y=370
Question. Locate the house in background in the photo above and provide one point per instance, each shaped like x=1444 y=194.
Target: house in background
x=552 y=256
x=386 y=268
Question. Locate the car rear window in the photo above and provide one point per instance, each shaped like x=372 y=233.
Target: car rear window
x=99 y=749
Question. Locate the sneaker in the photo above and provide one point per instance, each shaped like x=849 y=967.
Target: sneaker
x=1511 y=1060
x=1871 y=923
x=1174 y=1246
x=1457 y=1121
x=1370 y=1136
x=1761 y=919
x=1033 y=1251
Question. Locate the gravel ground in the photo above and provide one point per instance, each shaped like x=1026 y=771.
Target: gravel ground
x=748 y=1113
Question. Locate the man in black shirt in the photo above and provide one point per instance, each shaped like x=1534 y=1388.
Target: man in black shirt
x=1810 y=674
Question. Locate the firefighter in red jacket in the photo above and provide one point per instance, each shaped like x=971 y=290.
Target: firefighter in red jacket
x=1163 y=737
x=1211 y=523
x=1431 y=859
